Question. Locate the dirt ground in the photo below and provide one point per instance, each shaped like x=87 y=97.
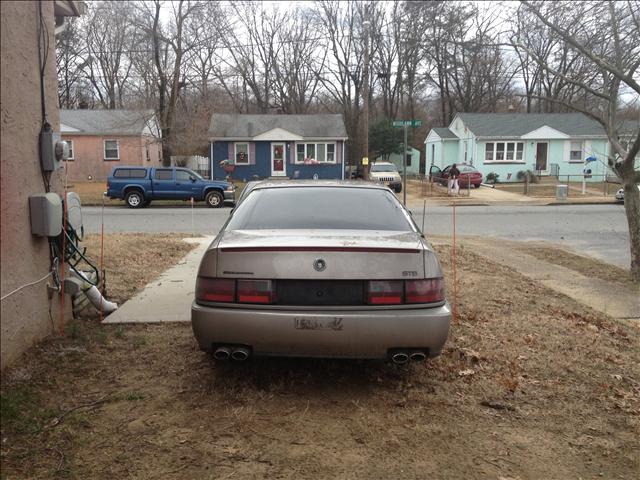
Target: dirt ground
x=532 y=385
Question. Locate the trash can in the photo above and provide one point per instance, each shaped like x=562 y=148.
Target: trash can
x=561 y=192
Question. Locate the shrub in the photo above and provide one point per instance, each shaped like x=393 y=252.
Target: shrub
x=492 y=177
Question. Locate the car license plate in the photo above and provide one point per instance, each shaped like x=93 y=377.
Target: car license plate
x=318 y=323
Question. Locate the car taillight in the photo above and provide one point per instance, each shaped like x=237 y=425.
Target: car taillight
x=256 y=291
x=424 y=291
x=215 y=289
x=384 y=292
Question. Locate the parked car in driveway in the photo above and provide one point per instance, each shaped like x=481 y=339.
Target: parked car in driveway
x=469 y=175
x=620 y=193
x=386 y=173
x=139 y=186
x=320 y=269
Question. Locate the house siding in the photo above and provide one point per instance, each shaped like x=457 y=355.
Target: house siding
x=24 y=316
x=260 y=166
x=88 y=155
x=558 y=154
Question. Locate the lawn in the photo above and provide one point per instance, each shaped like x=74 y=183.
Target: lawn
x=531 y=385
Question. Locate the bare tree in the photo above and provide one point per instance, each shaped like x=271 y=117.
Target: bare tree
x=608 y=40
x=109 y=36
x=170 y=47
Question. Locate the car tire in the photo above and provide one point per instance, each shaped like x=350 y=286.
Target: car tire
x=134 y=199
x=397 y=188
x=214 y=199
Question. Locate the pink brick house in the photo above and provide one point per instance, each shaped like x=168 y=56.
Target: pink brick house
x=102 y=139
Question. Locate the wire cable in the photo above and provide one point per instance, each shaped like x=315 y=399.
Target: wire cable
x=26 y=285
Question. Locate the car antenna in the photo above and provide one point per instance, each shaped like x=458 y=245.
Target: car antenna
x=424 y=211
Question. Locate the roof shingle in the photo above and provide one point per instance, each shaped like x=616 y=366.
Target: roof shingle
x=107 y=122
x=518 y=124
x=244 y=126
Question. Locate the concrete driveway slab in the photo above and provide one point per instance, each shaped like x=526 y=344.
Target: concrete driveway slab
x=169 y=297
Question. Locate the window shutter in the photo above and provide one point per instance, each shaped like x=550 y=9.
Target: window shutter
x=292 y=153
x=587 y=151
x=338 y=152
x=567 y=150
x=230 y=153
x=252 y=153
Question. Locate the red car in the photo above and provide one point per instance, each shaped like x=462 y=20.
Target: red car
x=468 y=175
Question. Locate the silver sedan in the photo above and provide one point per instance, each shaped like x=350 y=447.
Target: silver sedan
x=320 y=269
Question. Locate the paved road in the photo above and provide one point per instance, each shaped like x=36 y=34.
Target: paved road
x=597 y=230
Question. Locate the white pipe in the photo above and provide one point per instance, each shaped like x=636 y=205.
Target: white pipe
x=96 y=298
x=94 y=295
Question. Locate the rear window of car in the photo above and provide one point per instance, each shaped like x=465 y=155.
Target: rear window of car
x=130 y=173
x=322 y=208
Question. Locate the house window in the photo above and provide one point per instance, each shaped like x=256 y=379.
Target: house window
x=70 y=145
x=148 y=155
x=575 y=153
x=320 y=152
x=489 y=151
x=504 y=152
x=242 y=153
x=408 y=159
x=111 y=150
x=433 y=154
x=331 y=152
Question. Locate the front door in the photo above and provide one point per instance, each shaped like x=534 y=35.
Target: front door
x=541 y=157
x=278 y=160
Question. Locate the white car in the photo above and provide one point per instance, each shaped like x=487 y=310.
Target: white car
x=620 y=193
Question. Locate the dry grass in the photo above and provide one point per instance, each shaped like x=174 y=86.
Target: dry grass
x=587 y=266
x=531 y=385
x=133 y=260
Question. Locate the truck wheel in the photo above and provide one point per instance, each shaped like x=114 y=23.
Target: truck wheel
x=134 y=199
x=398 y=188
x=213 y=199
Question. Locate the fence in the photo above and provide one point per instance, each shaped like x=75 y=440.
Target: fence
x=577 y=185
x=197 y=163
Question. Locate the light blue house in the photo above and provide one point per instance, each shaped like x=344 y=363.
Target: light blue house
x=413 y=161
x=247 y=146
x=507 y=143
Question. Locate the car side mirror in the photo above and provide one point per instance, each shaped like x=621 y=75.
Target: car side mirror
x=193 y=179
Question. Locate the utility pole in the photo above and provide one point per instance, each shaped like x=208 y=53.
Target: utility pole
x=365 y=91
x=404 y=167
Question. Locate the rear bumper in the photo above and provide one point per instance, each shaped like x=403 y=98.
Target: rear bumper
x=329 y=333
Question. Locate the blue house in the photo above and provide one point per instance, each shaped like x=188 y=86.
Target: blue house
x=277 y=146
x=507 y=143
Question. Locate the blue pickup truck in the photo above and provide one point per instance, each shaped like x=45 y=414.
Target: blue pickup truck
x=139 y=186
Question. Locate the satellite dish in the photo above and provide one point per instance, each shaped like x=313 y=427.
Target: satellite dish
x=316 y=176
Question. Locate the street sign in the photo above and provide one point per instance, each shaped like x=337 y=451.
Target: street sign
x=407 y=123
x=365 y=160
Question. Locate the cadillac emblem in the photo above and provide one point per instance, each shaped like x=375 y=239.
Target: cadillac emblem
x=319 y=265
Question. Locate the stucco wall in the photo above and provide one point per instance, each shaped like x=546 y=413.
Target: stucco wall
x=88 y=155
x=24 y=316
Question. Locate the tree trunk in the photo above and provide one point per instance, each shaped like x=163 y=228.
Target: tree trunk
x=632 y=209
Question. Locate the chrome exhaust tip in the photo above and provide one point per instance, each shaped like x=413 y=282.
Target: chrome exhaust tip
x=400 y=358
x=418 y=356
x=240 y=354
x=222 y=353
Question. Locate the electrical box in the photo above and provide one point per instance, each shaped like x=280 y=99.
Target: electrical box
x=45 y=210
x=52 y=150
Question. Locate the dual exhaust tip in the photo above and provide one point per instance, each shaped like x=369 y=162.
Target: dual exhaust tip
x=401 y=357
x=239 y=354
